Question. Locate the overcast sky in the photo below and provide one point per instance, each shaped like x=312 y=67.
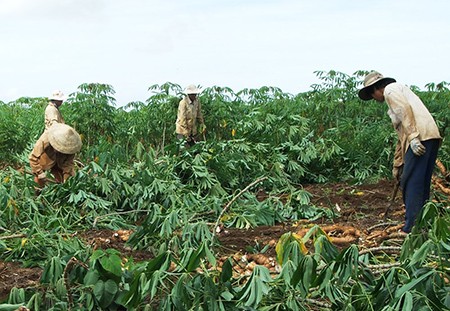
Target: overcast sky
x=60 y=44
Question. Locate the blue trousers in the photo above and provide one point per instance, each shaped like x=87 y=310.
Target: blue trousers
x=416 y=180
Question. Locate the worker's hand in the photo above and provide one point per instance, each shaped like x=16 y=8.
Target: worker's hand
x=66 y=176
x=416 y=146
x=42 y=177
x=397 y=172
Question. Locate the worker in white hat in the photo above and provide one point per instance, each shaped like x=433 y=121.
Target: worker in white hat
x=418 y=140
x=189 y=116
x=52 y=113
x=55 y=151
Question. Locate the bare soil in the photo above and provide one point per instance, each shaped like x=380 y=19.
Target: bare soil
x=361 y=207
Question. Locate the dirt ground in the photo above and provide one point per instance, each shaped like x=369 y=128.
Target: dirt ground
x=360 y=209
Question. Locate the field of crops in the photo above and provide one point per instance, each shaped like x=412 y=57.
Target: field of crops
x=279 y=207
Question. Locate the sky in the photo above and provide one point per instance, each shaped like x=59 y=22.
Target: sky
x=47 y=45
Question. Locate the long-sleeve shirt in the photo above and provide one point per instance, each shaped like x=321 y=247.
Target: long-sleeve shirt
x=52 y=115
x=44 y=157
x=189 y=117
x=409 y=117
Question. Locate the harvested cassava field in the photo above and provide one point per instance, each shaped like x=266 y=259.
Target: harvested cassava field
x=361 y=210
x=278 y=205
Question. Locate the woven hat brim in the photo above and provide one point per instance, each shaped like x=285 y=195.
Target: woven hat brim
x=365 y=92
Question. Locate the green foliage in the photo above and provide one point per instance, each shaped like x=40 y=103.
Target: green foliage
x=19 y=126
x=257 y=286
x=90 y=111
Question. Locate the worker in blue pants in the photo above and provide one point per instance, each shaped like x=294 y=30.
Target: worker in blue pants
x=418 y=140
x=416 y=180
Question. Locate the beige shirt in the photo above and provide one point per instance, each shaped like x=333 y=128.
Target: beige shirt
x=409 y=117
x=189 y=117
x=52 y=115
x=43 y=157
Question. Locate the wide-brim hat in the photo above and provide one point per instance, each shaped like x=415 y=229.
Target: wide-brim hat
x=374 y=77
x=191 y=89
x=57 y=95
x=64 y=138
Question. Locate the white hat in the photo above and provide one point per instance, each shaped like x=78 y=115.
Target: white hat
x=191 y=89
x=64 y=138
x=57 y=95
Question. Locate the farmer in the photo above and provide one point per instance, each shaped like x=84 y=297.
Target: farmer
x=418 y=140
x=189 y=116
x=55 y=151
x=52 y=113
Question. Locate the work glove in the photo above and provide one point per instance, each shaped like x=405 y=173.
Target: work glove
x=416 y=146
x=397 y=172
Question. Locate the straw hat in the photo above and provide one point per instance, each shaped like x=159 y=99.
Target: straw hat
x=369 y=80
x=191 y=89
x=64 y=139
x=57 y=95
